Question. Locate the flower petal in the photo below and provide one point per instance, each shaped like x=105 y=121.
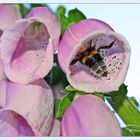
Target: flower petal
x=3 y=90
x=32 y=42
x=98 y=34
x=11 y=126
x=8 y=14
x=89 y=116
x=34 y=103
x=55 y=132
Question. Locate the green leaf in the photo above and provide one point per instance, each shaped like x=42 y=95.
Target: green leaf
x=75 y=15
x=131 y=130
x=61 y=10
x=124 y=107
x=56 y=105
x=23 y=10
x=134 y=101
x=118 y=96
x=37 y=5
x=63 y=105
x=64 y=22
x=70 y=88
x=98 y=94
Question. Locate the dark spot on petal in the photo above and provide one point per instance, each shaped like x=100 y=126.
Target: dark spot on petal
x=114 y=57
x=105 y=74
x=98 y=71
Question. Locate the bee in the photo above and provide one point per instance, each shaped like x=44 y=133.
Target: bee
x=91 y=57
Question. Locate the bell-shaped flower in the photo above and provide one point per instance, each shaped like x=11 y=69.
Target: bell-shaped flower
x=27 y=47
x=88 y=115
x=9 y=14
x=93 y=56
x=27 y=109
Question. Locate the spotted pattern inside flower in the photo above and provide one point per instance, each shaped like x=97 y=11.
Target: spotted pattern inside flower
x=101 y=57
x=31 y=49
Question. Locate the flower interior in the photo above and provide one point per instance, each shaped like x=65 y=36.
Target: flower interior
x=31 y=49
x=99 y=58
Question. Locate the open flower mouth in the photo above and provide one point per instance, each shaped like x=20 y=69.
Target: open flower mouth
x=31 y=48
x=27 y=47
x=100 y=57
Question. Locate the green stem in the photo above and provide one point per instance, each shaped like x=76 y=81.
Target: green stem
x=128 y=112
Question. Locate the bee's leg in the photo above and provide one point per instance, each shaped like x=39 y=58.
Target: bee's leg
x=107 y=47
x=92 y=47
x=74 y=61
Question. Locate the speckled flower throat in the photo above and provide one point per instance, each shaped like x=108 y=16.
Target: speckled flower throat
x=100 y=57
x=33 y=43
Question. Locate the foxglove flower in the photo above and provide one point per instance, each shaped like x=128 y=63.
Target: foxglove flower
x=27 y=109
x=6 y=21
x=88 y=115
x=93 y=56
x=27 y=47
x=9 y=14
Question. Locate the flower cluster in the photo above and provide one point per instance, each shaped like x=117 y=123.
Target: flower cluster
x=93 y=57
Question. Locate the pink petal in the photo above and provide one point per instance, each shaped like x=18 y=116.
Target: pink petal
x=81 y=76
x=13 y=124
x=89 y=116
x=55 y=132
x=33 y=103
x=32 y=45
x=8 y=14
x=3 y=90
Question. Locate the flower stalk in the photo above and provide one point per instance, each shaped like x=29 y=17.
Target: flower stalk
x=127 y=110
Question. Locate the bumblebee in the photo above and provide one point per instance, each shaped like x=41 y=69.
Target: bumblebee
x=91 y=57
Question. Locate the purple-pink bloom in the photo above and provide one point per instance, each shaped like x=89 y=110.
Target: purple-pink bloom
x=8 y=14
x=27 y=109
x=105 y=76
x=27 y=47
x=6 y=21
x=88 y=115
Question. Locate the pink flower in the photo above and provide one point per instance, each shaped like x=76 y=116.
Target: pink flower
x=27 y=47
x=55 y=132
x=27 y=109
x=88 y=115
x=111 y=49
x=9 y=14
